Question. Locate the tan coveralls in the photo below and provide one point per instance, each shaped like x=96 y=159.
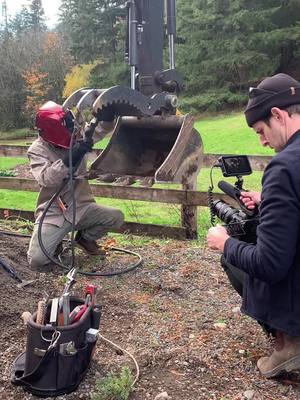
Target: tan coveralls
x=92 y=220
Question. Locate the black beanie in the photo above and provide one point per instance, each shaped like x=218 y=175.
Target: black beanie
x=280 y=91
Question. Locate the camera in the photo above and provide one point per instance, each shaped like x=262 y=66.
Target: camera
x=239 y=222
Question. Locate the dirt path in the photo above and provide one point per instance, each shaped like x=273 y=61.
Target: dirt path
x=165 y=314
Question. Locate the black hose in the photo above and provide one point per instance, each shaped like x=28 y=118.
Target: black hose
x=7 y=233
x=210 y=198
x=112 y=273
x=59 y=263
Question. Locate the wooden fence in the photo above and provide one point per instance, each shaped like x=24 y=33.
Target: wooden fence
x=188 y=199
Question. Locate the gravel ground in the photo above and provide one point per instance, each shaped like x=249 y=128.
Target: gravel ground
x=177 y=314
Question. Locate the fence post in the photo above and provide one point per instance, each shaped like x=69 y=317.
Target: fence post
x=189 y=213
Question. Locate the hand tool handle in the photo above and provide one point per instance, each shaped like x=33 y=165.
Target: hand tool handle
x=40 y=316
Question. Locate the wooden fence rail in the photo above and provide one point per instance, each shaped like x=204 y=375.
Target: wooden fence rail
x=171 y=196
x=188 y=199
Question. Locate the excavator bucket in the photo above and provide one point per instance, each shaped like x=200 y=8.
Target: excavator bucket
x=82 y=99
x=155 y=149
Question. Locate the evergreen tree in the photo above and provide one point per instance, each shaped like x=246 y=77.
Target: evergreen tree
x=30 y=17
x=229 y=45
x=37 y=15
x=93 y=27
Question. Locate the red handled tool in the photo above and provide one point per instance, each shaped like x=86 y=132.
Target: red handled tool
x=90 y=295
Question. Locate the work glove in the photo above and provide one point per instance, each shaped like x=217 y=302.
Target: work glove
x=81 y=148
x=78 y=151
x=89 y=131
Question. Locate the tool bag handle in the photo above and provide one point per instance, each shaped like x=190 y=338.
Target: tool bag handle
x=55 y=373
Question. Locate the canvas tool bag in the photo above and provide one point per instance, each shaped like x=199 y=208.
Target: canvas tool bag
x=46 y=368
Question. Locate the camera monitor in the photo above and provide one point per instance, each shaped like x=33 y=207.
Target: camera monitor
x=235 y=165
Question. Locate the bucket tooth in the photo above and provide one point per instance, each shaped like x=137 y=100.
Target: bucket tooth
x=125 y=181
x=126 y=101
x=74 y=98
x=86 y=102
x=109 y=178
x=146 y=181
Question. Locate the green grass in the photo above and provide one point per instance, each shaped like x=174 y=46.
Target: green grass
x=17 y=137
x=223 y=134
x=142 y=211
x=114 y=387
x=102 y=144
x=11 y=162
x=230 y=135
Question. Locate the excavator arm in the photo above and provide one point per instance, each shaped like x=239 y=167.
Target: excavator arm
x=150 y=142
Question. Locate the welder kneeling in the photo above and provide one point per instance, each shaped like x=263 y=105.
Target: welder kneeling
x=50 y=161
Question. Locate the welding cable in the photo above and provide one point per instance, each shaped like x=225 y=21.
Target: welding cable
x=66 y=268
x=8 y=233
x=58 y=262
x=71 y=181
x=111 y=273
x=124 y=351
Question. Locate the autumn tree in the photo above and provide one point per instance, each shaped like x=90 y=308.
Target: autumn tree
x=34 y=63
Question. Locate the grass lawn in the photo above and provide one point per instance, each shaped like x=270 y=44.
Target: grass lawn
x=141 y=211
x=230 y=135
x=11 y=162
x=223 y=134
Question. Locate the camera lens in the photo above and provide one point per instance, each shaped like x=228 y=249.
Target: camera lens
x=225 y=212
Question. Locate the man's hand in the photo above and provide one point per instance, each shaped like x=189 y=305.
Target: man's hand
x=216 y=238
x=250 y=199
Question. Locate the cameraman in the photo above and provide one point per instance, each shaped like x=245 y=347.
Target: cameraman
x=269 y=271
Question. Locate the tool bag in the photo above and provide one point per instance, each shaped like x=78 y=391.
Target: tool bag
x=48 y=367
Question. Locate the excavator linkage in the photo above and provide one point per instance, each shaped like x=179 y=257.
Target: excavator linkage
x=150 y=142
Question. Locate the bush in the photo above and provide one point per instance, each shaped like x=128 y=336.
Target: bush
x=7 y=172
x=212 y=101
x=18 y=134
x=114 y=387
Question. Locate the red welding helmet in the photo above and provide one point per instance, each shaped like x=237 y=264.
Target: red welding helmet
x=54 y=124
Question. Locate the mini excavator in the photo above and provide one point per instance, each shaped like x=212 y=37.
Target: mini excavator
x=150 y=143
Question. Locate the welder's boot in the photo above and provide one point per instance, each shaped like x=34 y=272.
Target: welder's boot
x=91 y=247
x=285 y=357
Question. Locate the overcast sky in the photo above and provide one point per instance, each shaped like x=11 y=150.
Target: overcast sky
x=50 y=7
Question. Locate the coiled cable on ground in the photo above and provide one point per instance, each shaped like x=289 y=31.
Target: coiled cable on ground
x=124 y=351
x=210 y=199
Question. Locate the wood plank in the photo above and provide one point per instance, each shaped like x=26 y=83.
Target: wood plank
x=28 y=185
x=258 y=163
x=185 y=197
x=138 y=193
x=135 y=228
x=13 y=151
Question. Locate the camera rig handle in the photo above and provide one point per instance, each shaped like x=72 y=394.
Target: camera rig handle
x=234 y=192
